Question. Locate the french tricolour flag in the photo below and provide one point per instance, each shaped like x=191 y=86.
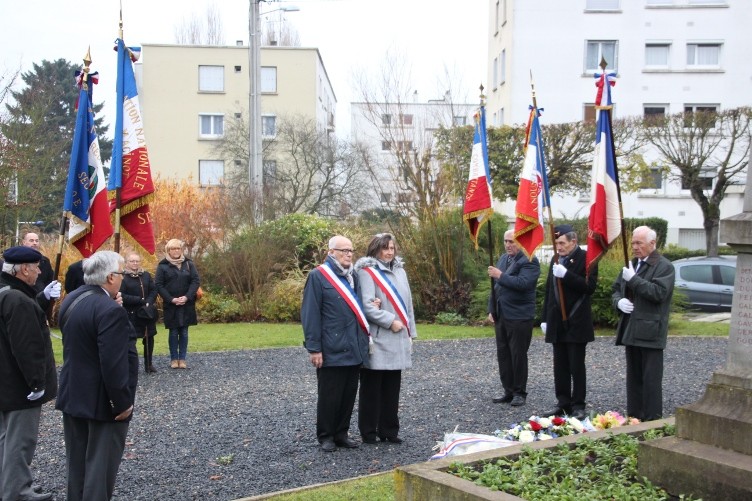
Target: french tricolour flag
x=478 y=205
x=604 y=222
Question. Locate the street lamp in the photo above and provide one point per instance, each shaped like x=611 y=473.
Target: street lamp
x=255 y=160
x=18 y=227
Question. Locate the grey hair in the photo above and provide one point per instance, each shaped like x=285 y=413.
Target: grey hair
x=99 y=266
x=333 y=241
x=11 y=269
x=650 y=233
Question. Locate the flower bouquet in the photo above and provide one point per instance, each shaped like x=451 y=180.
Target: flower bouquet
x=612 y=419
x=546 y=428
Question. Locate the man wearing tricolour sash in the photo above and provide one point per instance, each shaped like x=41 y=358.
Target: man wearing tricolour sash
x=336 y=337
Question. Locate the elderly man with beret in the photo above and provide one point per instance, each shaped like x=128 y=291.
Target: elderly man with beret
x=567 y=321
x=28 y=378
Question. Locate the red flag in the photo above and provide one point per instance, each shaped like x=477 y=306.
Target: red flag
x=85 y=200
x=478 y=207
x=533 y=193
x=131 y=170
x=604 y=221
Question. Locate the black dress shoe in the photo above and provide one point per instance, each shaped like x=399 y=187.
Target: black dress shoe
x=556 y=411
x=347 y=443
x=517 y=401
x=579 y=414
x=502 y=400
x=328 y=445
x=370 y=440
x=37 y=496
x=393 y=440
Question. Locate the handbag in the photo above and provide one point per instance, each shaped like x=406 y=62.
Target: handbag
x=147 y=312
x=199 y=293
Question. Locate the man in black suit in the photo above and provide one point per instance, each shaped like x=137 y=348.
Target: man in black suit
x=46 y=274
x=568 y=285
x=98 y=379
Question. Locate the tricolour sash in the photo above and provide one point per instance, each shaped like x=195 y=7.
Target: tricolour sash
x=347 y=293
x=390 y=291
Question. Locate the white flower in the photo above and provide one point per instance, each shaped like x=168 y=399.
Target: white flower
x=576 y=424
x=527 y=436
x=543 y=436
x=544 y=422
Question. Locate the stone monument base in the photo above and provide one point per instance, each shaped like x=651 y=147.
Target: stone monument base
x=711 y=455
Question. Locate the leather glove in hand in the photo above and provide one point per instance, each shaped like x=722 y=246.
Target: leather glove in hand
x=559 y=270
x=625 y=305
x=35 y=395
x=52 y=290
x=628 y=273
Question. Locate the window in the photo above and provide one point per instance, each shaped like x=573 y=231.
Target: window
x=404 y=145
x=270 y=169
x=269 y=79
x=211 y=78
x=406 y=119
x=727 y=274
x=656 y=55
x=386 y=197
x=211 y=172
x=497 y=21
x=705 y=177
x=601 y=4
x=503 y=66
x=597 y=49
x=503 y=12
x=704 y=54
x=500 y=117
x=386 y=145
x=660 y=2
x=495 y=72
x=386 y=119
x=700 y=115
x=707 y=2
x=268 y=126
x=588 y=113
x=654 y=180
x=702 y=273
x=211 y=126
x=459 y=121
x=654 y=113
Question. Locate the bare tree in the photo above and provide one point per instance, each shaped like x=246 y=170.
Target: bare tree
x=700 y=148
x=196 y=30
x=280 y=33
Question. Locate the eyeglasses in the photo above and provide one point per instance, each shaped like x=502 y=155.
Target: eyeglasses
x=345 y=251
x=121 y=273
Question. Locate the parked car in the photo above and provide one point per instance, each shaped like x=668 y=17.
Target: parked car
x=708 y=282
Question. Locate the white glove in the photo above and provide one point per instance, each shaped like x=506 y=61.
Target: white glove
x=559 y=270
x=52 y=290
x=543 y=327
x=35 y=395
x=625 y=305
x=628 y=273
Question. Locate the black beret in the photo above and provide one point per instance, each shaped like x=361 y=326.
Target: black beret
x=562 y=229
x=22 y=255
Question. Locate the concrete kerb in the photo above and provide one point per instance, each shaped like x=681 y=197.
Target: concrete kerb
x=305 y=488
x=429 y=480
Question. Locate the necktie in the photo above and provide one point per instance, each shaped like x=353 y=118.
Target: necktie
x=639 y=263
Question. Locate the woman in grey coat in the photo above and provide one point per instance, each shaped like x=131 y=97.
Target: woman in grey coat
x=388 y=305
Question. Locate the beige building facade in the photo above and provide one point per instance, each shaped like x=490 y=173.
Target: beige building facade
x=189 y=95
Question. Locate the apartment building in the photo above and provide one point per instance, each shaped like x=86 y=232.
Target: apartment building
x=389 y=129
x=670 y=56
x=189 y=94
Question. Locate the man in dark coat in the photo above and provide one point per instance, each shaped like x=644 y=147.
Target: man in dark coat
x=46 y=273
x=515 y=277
x=28 y=378
x=336 y=338
x=642 y=293
x=98 y=379
x=569 y=337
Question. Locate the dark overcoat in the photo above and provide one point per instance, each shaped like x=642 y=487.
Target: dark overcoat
x=175 y=282
x=139 y=289
x=515 y=289
x=329 y=325
x=577 y=291
x=27 y=362
x=100 y=369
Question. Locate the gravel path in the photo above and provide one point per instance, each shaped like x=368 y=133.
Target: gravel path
x=259 y=406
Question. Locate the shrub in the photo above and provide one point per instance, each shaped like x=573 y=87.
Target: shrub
x=285 y=297
x=449 y=318
x=219 y=307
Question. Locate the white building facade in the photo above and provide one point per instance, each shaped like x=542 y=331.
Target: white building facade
x=670 y=56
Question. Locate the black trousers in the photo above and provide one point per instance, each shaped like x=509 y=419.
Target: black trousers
x=378 y=403
x=148 y=342
x=93 y=450
x=512 y=342
x=644 y=383
x=570 y=375
x=337 y=387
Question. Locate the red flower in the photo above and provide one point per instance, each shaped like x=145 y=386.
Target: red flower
x=535 y=426
x=558 y=421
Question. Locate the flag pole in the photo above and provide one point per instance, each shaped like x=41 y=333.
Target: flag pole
x=491 y=261
x=559 y=286
x=618 y=183
x=119 y=111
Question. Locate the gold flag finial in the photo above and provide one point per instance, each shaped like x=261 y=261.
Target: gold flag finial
x=603 y=64
x=85 y=71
